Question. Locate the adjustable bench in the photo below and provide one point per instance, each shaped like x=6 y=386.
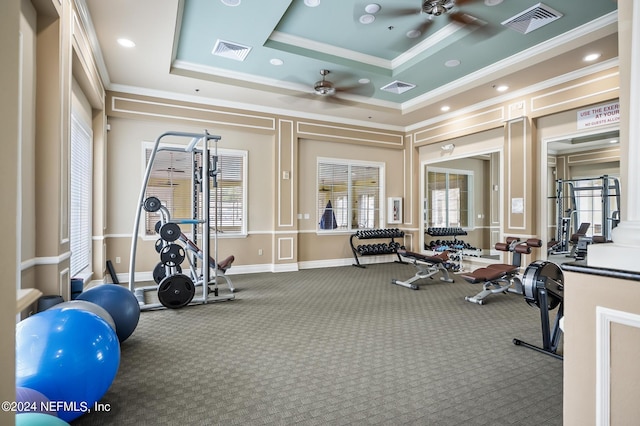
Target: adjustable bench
x=427 y=266
x=501 y=277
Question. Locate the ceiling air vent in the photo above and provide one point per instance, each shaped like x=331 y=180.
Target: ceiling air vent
x=231 y=50
x=398 y=87
x=533 y=18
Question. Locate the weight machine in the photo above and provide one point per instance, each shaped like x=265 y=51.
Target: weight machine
x=175 y=289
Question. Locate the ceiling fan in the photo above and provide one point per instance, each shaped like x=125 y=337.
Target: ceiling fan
x=328 y=91
x=435 y=8
x=324 y=87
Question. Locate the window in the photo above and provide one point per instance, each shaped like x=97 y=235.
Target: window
x=592 y=207
x=349 y=195
x=448 y=196
x=80 y=210
x=171 y=181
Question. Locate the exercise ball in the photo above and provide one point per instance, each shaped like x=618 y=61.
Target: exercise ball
x=121 y=304
x=30 y=400
x=38 y=419
x=71 y=356
x=85 y=305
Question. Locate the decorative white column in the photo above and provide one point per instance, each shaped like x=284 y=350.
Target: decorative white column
x=624 y=252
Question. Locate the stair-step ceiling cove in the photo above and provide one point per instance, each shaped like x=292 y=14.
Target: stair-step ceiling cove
x=398 y=87
x=231 y=50
x=533 y=18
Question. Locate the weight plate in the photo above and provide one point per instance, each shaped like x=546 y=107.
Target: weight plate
x=170 y=231
x=152 y=204
x=176 y=291
x=157 y=226
x=160 y=271
x=159 y=245
x=172 y=255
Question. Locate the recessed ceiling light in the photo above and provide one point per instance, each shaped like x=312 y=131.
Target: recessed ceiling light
x=591 y=57
x=125 y=42
x=452 y=63
x=367 y=19
x=312 y=3
x=276 y=62
x=492 y=2
x=372 y=8
x=364 y=81
x=445 y=108
x=502 y=88
x=413 y=34
x=231 y=3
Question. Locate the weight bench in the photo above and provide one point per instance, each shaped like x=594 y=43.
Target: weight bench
x=427 y=266
x=501 y=277
x=222 y=266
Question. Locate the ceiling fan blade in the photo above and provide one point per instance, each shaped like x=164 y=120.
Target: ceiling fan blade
x=386 y=11
x=465 y=18
x=463 y=2
x=400 y=12
x=365 y=90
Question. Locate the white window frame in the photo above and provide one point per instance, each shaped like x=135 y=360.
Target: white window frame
x=381 y=194
x=147 y=146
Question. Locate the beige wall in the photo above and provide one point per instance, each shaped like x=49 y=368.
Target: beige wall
x=9 y=119
x=585 y=298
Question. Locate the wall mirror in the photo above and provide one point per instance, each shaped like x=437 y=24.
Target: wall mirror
x=582 y=196
x=462 y=195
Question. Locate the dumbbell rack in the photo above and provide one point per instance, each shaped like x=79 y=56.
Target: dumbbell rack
x=450 y=232
x=376 y=249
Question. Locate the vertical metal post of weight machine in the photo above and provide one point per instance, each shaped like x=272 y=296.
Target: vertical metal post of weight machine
x=206 y=227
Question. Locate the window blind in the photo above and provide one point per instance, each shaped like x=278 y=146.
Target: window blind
x=80 y=196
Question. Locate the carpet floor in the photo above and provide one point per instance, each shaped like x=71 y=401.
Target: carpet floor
x=337 y=346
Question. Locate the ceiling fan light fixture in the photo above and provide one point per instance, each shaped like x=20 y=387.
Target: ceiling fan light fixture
x=437 y=7
x=324 y=88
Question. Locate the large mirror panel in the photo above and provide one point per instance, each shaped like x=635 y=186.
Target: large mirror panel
x=583 y=192
x=461 y=204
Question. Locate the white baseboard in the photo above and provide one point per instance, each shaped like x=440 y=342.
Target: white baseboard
x=269 y=267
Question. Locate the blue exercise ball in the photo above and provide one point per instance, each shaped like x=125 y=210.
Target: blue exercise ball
x=32 y=401
x=85 y=305
x=70 y=356
x=38 y=419
x=121 y=304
